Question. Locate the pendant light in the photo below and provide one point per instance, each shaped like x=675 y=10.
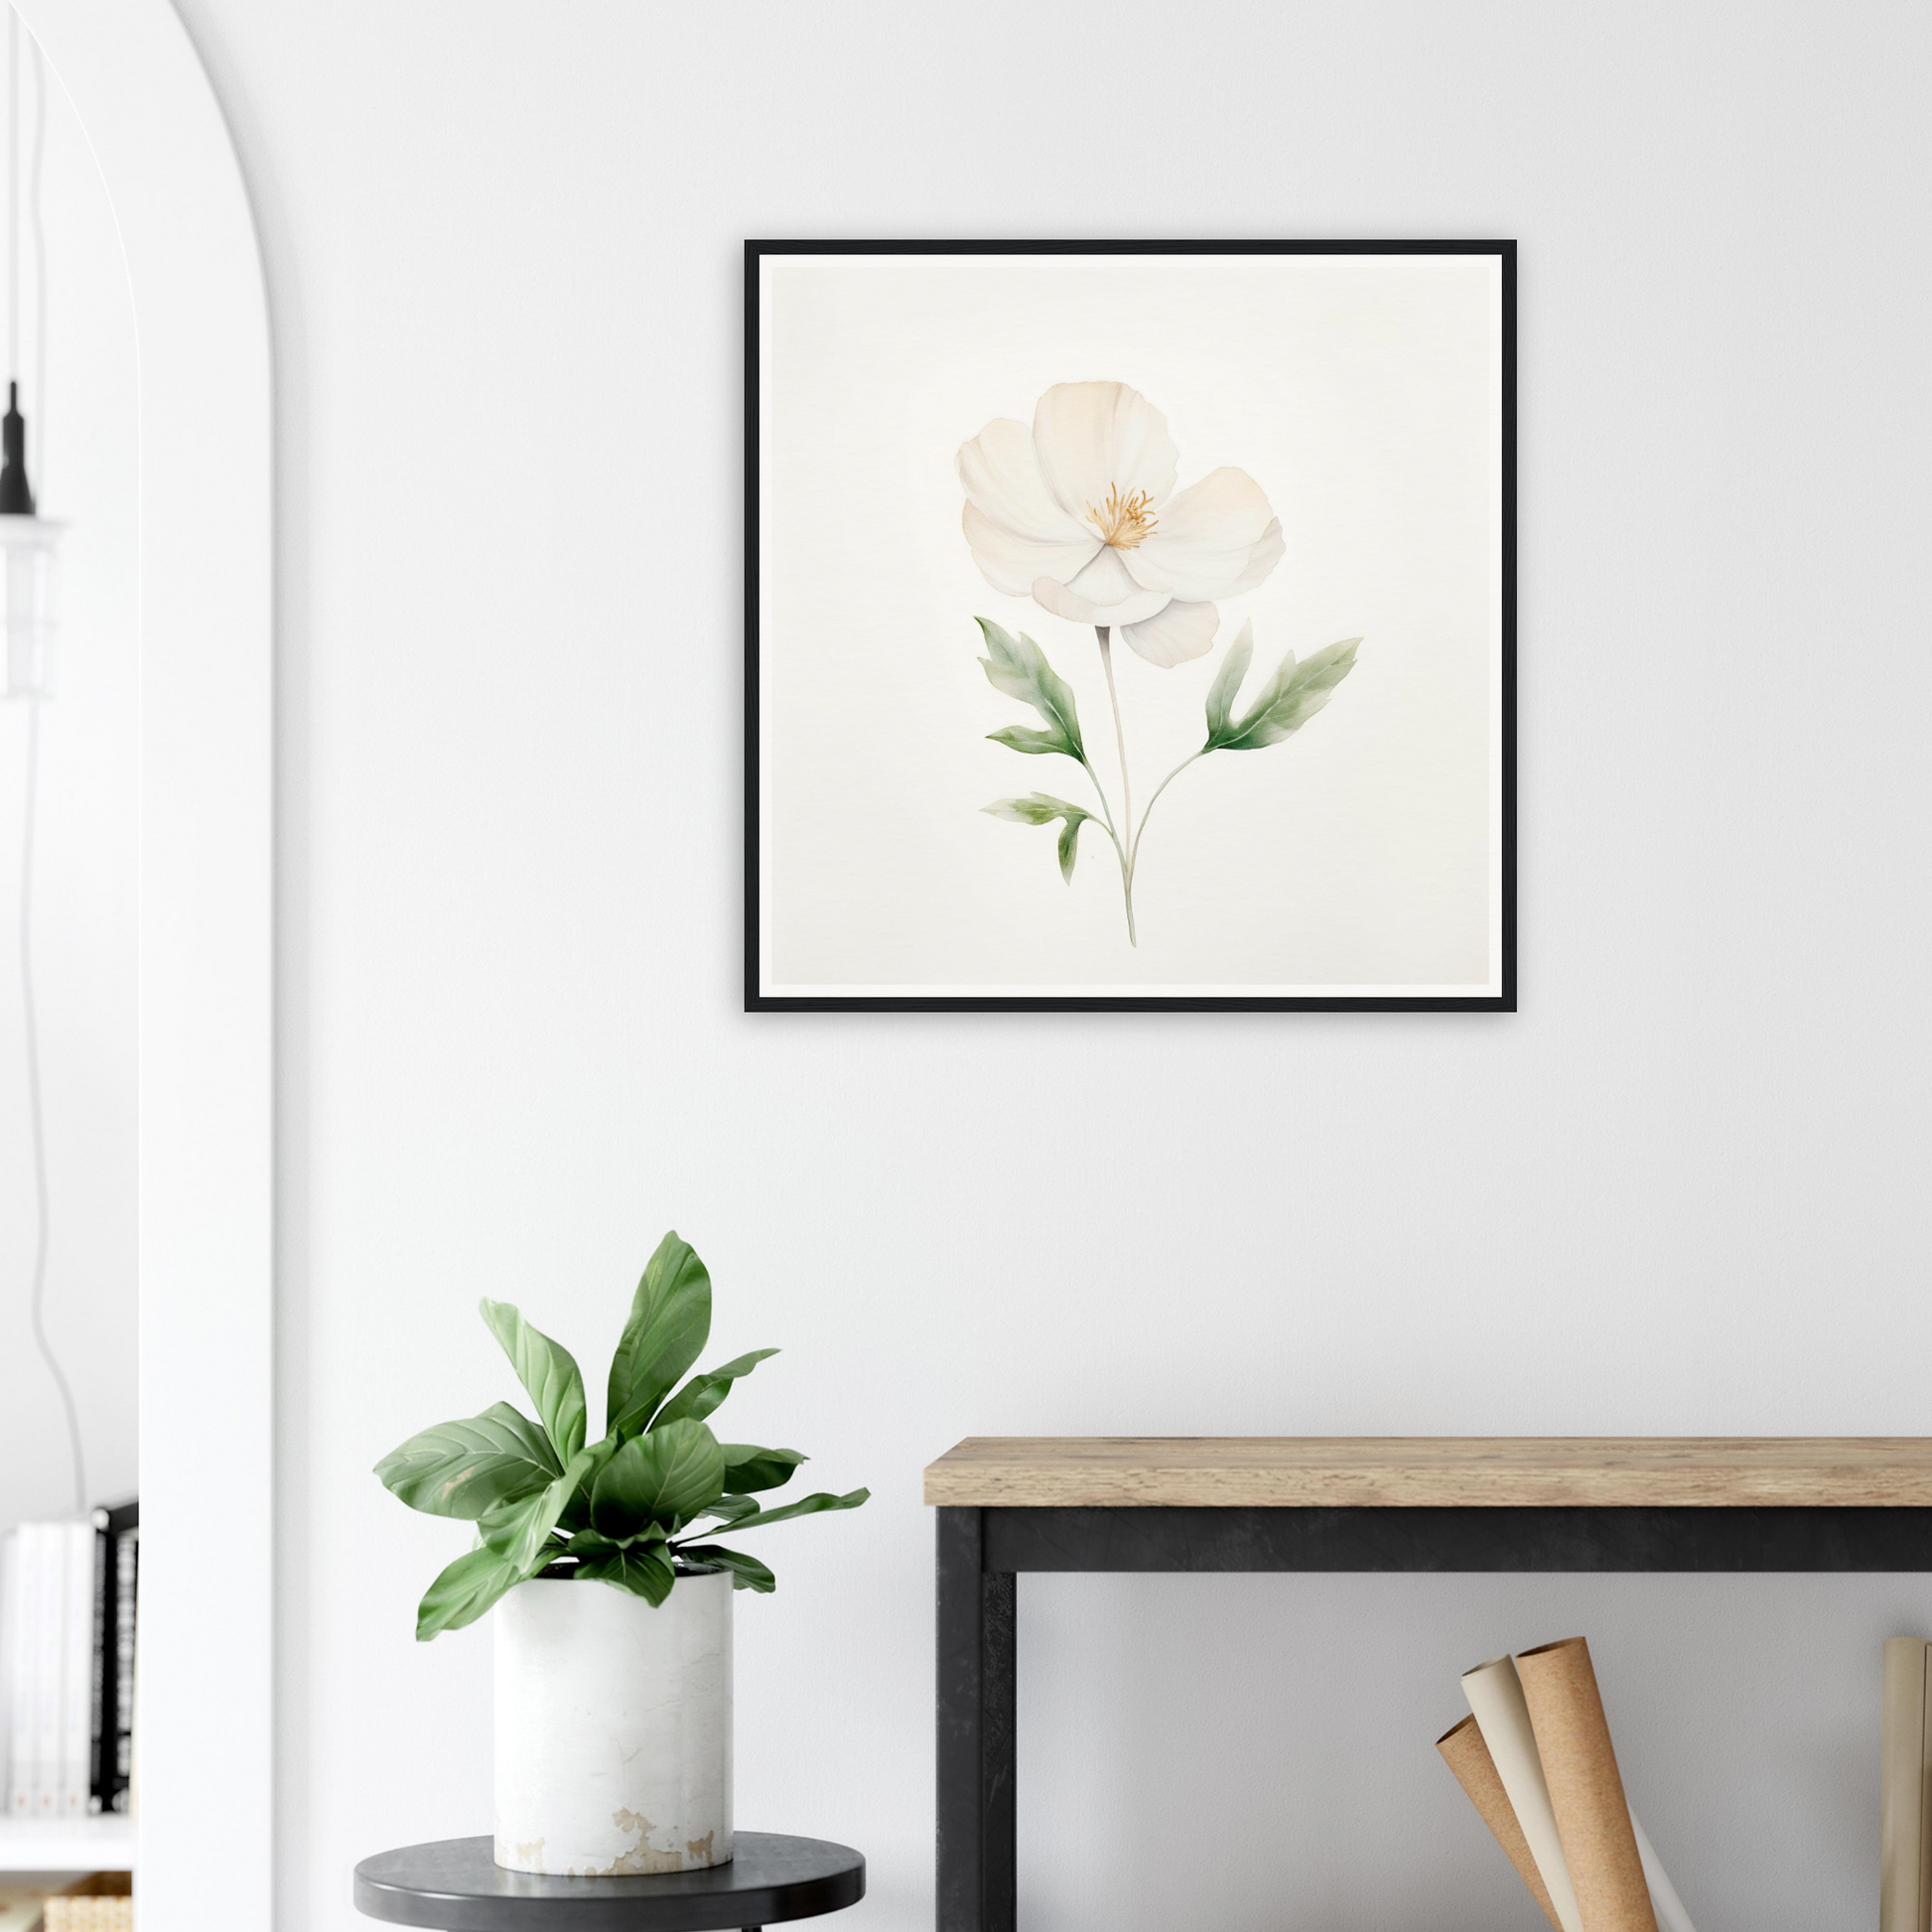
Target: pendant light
x=27 y=539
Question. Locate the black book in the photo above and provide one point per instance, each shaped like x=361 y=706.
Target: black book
x=118 y=1559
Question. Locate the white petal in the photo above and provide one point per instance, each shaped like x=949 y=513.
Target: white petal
x=1181 y=631
x=1091 y=439
x=1003 y=482
x=1102 y=593
x=1206 y=537
x=1261 y=560
x=1070 y=604
x=1011 y=562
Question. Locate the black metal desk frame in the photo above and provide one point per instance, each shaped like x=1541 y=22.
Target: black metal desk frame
x=982 y=1552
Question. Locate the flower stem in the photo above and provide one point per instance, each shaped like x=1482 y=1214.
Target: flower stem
x=1134 y=845
x=1102 y=632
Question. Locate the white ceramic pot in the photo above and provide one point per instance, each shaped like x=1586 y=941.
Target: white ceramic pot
x=614 y=1727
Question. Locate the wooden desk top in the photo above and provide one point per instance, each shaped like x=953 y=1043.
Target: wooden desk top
x=1488 y=1471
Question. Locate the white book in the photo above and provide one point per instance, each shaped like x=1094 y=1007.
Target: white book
x=9 y=1627
x=23 y=1646
x=50 y=1583
x=77 y=1670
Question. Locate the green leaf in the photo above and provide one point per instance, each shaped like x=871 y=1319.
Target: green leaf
x=464 y=1591
x=1019 y=667
x=1227 y=681
x=644 y=1571
x=1291 y=698
x=1042 y=808
x=577 y=1512
x=747 y=1468
x=547 y=1369
x=666 y=1477
x=1029 y=738
x=703 y=1393
x=805 y=1506
x=519 y=1532
x=732 y=1509
x=468 y=1468
x=670 y=1320
x=747 y=1572
x=587 y=1543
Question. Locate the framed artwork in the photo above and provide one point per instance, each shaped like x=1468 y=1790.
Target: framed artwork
x=1130 y=624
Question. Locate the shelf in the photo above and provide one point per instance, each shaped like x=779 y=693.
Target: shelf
x=1434 y=1472
x=67 y=1845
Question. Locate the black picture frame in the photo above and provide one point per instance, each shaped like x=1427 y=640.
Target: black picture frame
x=1505 y=1001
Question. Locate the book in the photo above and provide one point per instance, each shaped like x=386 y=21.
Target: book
x=12 y=1668
x=76 y=1668
x=117 y=1528
x=127 y=1571
x=47 y=1580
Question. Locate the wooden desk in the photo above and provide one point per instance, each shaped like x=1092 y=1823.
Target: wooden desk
x=1007 y=1505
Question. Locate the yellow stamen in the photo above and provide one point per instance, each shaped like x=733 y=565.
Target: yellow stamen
x=1125 y=522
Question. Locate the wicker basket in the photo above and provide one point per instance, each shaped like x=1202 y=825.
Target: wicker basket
x=100 y=1903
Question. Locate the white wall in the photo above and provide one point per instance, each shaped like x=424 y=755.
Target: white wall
x=1679 y=1191
x=81 y=457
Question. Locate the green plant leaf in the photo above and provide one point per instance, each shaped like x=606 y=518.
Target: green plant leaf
x=666 y=1476
x=747 y=1572
x=587 y=1542
x=1019 y=667
x=468 y=1468
x=464 y=1591
x=670 y=1322
x=577 y=1510
x=1227 y=682
x=547 y=1369
x=519 y=1532
x=749 y=1467
x=644 y=1570
x=730 y=1509
x=703 y=1393
x=1042 y=808
x=1290 y=699
x=804 y=1506
x=1029 y=738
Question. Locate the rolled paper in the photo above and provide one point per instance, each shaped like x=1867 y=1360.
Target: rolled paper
x=1468 y=1757
x=1496 y=1699
x=1671 y=1915
x=1573 y=1739
x=1902 y=1790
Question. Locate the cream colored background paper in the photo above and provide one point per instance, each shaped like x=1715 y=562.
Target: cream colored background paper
x=1361 y=394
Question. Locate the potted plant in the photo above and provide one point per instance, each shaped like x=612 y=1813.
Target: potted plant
x=614 y=1713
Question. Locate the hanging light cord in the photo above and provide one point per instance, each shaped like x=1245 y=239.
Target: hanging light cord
x=39 y=469
x=36 y=1114
x=36 y=1118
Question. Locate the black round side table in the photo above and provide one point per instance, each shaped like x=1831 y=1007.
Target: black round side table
x=457 y=1886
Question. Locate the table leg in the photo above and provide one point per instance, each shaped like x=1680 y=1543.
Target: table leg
x=976 y=1876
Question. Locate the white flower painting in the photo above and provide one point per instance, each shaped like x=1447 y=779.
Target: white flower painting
x=1081 y=515
x=1040 y=535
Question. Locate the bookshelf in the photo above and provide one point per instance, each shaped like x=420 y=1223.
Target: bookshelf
x=67 y=1845
x=1487 y=1503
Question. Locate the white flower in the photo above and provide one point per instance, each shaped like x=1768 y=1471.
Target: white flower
x=1080 y=513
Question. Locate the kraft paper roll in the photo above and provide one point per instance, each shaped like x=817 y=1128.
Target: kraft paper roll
x=1468 y=1757
x=1573 y=1739
x=1906 y=1742
x=1496 y=1698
